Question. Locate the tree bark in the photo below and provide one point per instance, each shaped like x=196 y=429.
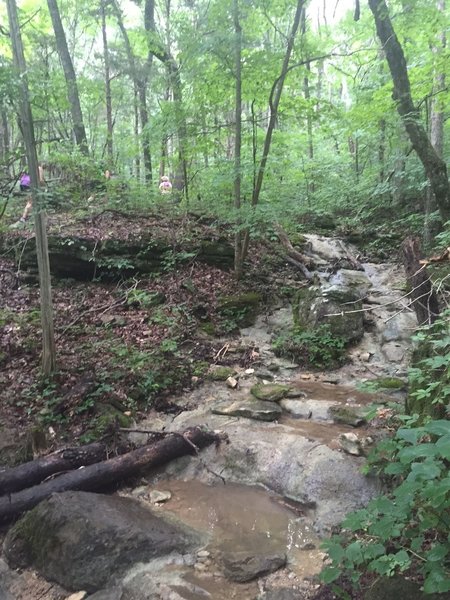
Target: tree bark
x=108 y=98
x=69 y=74
x=238 y=258
x=35 y=471
x=98 y=476
x=434 y=166
x=423 y=297
x=48 y=335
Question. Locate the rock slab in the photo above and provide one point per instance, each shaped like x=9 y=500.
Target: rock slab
x=83 y=540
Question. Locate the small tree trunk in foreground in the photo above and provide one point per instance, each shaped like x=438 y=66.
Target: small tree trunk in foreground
x=424 y=299
x=48 y=336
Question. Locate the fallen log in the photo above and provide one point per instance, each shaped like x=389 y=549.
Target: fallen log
x=114 y=470
x=301 y=261
x=33 y=472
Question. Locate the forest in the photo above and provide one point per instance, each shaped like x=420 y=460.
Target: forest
x=225 y=240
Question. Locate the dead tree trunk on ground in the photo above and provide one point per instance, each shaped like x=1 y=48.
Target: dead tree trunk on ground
x=35 y=471
x=98 y=476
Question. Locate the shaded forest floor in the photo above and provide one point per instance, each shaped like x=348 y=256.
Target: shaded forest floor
x=122 y=346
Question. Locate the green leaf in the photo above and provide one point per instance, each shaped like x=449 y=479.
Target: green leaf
x=330 y=574
x=441 y=427
x=411 y=453
x=438 y=552
x=443 y=445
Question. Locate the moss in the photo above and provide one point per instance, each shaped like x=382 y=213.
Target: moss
x=389 y=383
x=208 y=328
x=108 y=419
x=272 y=392
x=220 y=373
x=238 y=302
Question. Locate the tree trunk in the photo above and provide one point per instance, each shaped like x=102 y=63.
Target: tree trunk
x=423 y=297
x=434 y=166
x=274 y=101
x=436 y=129
x=108 y=99
x=35 y=471
x=48 y=336
x=238 y=258
x=98 y=476
x=71 y=80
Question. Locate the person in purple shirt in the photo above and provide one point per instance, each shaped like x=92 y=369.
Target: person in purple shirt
x=25 y=186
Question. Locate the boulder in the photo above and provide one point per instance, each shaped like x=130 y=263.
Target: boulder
x=260 y=410
x=348 y=415
x=313 y=306
x=242 y=566
x=83 y=540
x=272 y=392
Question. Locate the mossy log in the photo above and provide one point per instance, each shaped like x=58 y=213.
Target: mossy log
x=112 y=471
x=35 y=471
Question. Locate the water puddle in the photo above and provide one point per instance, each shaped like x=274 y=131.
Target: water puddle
x=317 y=390
x=241 y=518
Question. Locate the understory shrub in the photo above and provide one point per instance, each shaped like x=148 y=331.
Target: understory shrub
x=316 y=348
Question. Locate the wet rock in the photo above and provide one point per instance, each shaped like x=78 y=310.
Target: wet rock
x=114 y=593
x=399 y=327
x=351 y=444
x=351 y=279
x=219 y=373
x=281 y=594
x=243 y=566
x=317 y=410
x=295 y=393
x=7 y=580
x=82 y=540
x=314 y=307
x=272 y=392
x=252 y=409
x=232 y=383
x=394 y=351
x=348 y=415
x=264 y=374
x=160 y=496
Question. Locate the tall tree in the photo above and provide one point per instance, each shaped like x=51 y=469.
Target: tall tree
x=26 y=118
x=71 y=79
x=237 y=137
x=108 y=98
x=274 y=102
x=434 y=165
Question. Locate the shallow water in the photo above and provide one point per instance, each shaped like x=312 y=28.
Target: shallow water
x=243 y=518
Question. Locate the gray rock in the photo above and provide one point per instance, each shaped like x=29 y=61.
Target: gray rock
x=395 y=351
x=160 y=496
x=399 y=327
x=272 y=392
x=243 y=566
x=114 y=593
x=277 y=457
x=348 y=415
x=350 y=443
x=281 y=594
x=83 y=540
x=7 y=580
x=252 y=409
x=350 y=279
x=308 y=409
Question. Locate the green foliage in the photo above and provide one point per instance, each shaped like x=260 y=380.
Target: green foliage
x=317 y=348
x=430 y=374
x=407 y=528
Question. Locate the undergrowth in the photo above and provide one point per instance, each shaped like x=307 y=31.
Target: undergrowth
x=318 y=348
